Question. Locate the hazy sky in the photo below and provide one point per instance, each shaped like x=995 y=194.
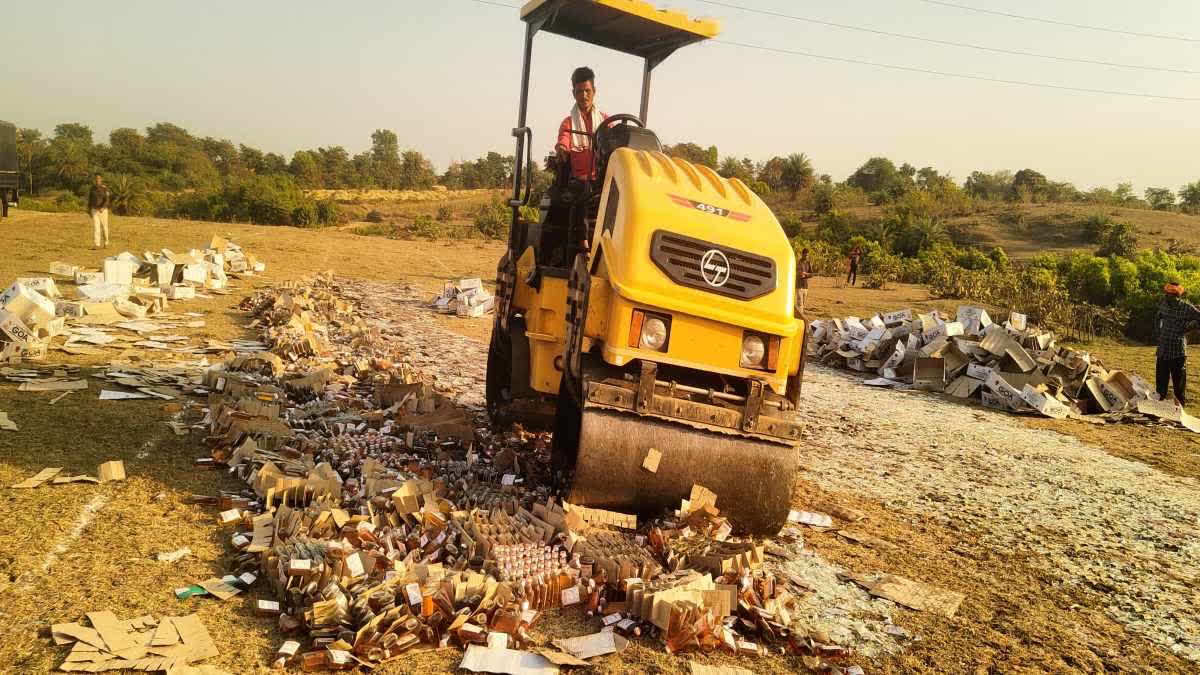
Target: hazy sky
x=444 y=75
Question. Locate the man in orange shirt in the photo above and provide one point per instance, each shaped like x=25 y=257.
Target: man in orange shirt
x=574 y=134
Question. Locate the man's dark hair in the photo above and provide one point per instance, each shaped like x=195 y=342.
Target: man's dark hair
x=803 y=251
x=582 y=74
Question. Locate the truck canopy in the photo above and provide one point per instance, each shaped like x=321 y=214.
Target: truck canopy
x=8 y=147
x=629 y=26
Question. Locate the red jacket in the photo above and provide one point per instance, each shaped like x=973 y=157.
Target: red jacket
x=581 y=158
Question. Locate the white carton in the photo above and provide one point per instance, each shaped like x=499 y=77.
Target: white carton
x=27 y=304
x=85 y=278
x=62 y=269
x=195 y=274
x=14 y=329
x=180 y=292
x=119 y=271
x=43 y=285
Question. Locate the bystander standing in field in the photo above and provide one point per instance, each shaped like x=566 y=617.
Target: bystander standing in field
x=98 y=200
x=1175 y=317
x=855 y=257
x=803 y=274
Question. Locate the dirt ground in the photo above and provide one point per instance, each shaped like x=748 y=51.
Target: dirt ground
x=1075 y=546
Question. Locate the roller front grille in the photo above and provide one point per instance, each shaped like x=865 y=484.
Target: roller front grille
x=711 y=267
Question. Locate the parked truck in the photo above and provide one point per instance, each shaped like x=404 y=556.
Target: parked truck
x=10 y=177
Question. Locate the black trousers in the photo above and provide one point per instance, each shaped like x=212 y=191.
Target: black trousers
x=1167 y=370
x=852 y=277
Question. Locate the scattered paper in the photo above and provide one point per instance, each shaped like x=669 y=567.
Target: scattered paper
x=912 y=594
x=220 y=589
x=62 y=480
x=487 y=660
x=701 y=669
x=53 y=385
x=653 y=456
x=7 y=424
x=174 y=556
x=563 y=659
x=881 y=382
x=113 y=395
x=810 y=518
x=36 y=480
x=596 y=644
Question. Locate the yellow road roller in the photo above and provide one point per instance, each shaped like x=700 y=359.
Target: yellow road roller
x=650 y=312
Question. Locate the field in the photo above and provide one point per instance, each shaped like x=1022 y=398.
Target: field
x=454 y=210
x=68 y=550
x=1025 y=230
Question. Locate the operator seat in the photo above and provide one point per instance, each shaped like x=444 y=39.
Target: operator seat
x=570 y=207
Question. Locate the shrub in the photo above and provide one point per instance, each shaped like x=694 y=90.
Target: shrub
x=305 y=215
x=759 y=187
x=835 y=227
x=1121 y=240
x=882 y=268
x=1096 y=228
x=530 y=214
x=425 y=226
x=328 y=212
x=265 y=200
x=973 y=259
x=444 y=214
x=374 y=217
x=376 y=230
x=792 y=224
x=999 y=258
x=825 y=258
x=493 y=220
x=54 y=202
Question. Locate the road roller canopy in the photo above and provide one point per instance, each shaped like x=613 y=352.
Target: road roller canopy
x=630 y=26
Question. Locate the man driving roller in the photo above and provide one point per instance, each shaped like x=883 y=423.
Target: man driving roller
x=575 y=132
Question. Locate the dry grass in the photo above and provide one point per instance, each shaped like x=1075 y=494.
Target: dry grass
x=401 y=207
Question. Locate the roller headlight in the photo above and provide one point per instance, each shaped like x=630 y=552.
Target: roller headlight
x=754 y=351
x=654 y=334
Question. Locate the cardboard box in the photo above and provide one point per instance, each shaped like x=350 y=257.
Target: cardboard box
x=1045 y=404
x=43 y=285
x=897 y=318
x=180 y=292
x=119 y=272
x=964 y=387
x=14 y=330
x=1011 y=396
x=62 y=269
x=978 y=372
x=164 y=273
x=929 y=374
x=973 y=319
x=195 y=274
x=87 y=278
x=28 y=305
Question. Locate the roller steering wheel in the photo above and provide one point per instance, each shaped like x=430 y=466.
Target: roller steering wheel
x=602 y=134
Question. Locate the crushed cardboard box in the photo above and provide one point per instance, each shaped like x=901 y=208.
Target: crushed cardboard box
x=467 y=298
x=1012 y=366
